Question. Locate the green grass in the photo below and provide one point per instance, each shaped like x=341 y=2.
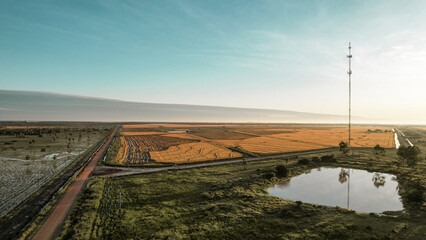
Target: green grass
x=53 y=143
x=230 y=202
x=113 y=151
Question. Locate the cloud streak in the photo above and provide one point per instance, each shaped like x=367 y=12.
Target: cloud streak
x=269 y=54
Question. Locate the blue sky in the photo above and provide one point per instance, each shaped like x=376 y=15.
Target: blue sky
x=287 y=55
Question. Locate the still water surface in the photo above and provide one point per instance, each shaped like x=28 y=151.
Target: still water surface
x=356 y=189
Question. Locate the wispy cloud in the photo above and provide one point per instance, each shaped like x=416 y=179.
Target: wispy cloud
x=287 y=50
x=201 y=16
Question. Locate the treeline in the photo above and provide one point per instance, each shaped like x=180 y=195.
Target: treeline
x=378 y=131
x=21 y=132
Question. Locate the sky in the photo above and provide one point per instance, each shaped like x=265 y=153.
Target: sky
x=286 y=55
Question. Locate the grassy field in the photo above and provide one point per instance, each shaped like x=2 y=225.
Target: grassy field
x=231 y=202
x=417 y=136
x=216 y=142
x=31 y=154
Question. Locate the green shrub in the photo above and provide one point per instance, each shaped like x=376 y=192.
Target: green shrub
x=303 y=161
x=415 y=196
x=328 y=158
x=268 y=175
x=316 y=159
x=282 y=171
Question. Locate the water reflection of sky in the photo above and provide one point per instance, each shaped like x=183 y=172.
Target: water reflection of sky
x=322 y=186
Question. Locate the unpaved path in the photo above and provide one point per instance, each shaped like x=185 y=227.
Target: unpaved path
x=403 y=140
x=60 y=212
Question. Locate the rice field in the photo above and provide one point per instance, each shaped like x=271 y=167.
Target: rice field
x=308 y=139
x=157 y=143
x=140 y=133
x=193 y=152
x=138 y=149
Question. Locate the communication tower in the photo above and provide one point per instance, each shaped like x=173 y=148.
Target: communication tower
x=349 y=56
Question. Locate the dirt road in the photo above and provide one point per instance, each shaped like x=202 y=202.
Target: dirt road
x=403 y=140
x=60 y=212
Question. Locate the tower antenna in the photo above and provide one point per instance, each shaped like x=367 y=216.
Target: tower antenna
x=349 y=74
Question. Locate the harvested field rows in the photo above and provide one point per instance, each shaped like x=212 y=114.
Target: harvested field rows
x=193 y=152
x=275 y=145
x=229 y=143
x=139 y=133
x=223 y=135
x=173 y=126
x=182 y=135
x=137 y=149
x=211 y=142
x=306 y=139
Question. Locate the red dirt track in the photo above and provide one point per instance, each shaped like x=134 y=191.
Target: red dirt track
x=60 y=212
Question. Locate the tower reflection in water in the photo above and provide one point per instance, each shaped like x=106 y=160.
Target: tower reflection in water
x=378 y=180
x=343 y=177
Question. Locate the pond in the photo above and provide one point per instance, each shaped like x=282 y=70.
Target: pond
x=355 y=189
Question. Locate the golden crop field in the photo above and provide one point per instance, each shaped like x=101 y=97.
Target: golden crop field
x=276 y=145
x=213 y=142
x=139 y=133
x=228 y=143
x=182 y=135
x=171 y=126
x=222 y=135
x=122 y=152
x=307 y=139
x=137 y=149
x=193 y=152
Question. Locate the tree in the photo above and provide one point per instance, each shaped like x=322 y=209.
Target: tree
x=343 y=176
x=343 y=147
x=378 y=180
x=409 y=155
x=379 y=151
x=282 y=171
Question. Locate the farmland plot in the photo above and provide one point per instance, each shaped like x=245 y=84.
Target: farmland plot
x=193 y=152
x=213 y=142
x=20 y=178
x=28 y=161
x=137 y=149
x=307 y=139
x=139 y=133
x=274 y=145
x=171 y=125
x=222 y=135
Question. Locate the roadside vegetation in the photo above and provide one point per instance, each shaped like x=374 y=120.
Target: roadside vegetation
x=231 y=202
x=112 y=152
